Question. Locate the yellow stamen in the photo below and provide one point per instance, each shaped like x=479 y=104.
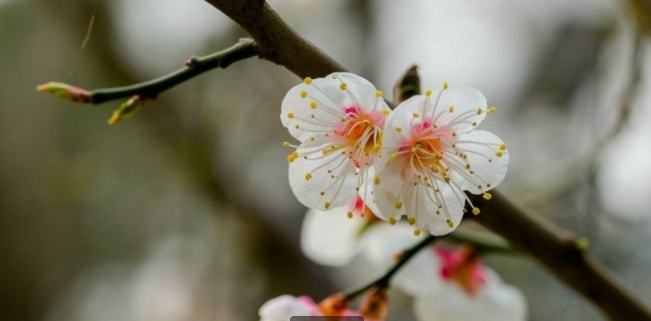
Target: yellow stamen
x=492 y=110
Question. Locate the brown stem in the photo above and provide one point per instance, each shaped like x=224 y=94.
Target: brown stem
x=562 y=252
x=276 y=41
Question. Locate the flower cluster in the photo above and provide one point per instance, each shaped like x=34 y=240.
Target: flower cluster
x=447 y=282
x=414 y=162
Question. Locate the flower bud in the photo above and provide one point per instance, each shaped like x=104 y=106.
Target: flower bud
x=334 y=304
x=66 y=91
x=375 y=305
x=126 y=108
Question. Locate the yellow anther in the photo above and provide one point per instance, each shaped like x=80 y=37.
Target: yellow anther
x=444 y=85
x=479 y=110
x=290 y=115
x=416 y=232
x=326 y=205
x=487 y=196
x=379 y=93
x=503 y=146
x=476 y=210
x=428 y=92
x=499 y=153
x=386 y=112
x=492 y=110
x=450 y=224
x=398 y=205
x=394 y=157
x=307 y=80
x=313 y=104
x=451 y=109
x=415 y=115
x=398 y=129
x=308 y=176
x=392 y=221
x=285 y=144
x=411 y=220
x=292 y=156
x=343 y=86
x=303 y=94
x=376 y=181
x=349 y=214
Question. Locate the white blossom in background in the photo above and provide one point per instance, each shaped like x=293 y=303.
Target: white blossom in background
x=338 y=121
x=495 y=301
x=432 y=154
x=468 y=288
x=447 y=283
x=284 y=307
x=329 y=237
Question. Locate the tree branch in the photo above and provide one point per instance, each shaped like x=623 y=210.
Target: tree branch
x=383 y=281
x=561 y=252
x=243 y=49
x=277 y=42
x=565 y=254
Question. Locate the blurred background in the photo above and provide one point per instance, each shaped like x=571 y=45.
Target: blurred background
x=183 y=211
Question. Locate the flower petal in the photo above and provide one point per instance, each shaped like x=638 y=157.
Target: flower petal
x=325 y=182
x=282 y=308
x=488 y=158
x=330 y=237
x=463 y=108
x=435 y=207
x=315 y=107
x=495 y=302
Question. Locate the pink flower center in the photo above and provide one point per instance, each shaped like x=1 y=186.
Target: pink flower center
x=463 y=266
x=361 y=134
x=425 y=146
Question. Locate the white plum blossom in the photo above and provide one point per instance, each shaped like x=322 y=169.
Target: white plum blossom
x=495 y=301
x=329 y=237
x=432 y=154
x=446 y=283
x=338 y=121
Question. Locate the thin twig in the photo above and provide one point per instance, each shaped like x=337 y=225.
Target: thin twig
x=383 y=281
x=243 y=49
x=561 y=252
